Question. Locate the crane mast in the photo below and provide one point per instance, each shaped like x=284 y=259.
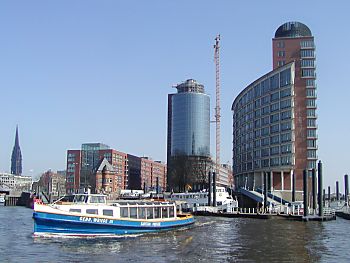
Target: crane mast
x=217 y=107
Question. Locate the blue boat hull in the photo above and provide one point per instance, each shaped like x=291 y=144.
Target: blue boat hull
x=48 y=223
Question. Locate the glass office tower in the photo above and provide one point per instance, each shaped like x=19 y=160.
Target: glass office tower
x=190 y=133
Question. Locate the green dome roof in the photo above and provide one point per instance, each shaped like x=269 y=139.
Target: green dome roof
x=293 y=29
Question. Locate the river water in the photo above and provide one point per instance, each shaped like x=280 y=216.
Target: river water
x=209 y=240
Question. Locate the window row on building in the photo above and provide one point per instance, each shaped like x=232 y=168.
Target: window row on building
x=267 y=163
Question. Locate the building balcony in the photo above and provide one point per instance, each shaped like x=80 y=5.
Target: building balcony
x=311 y=106
x=312 y=158
x=313 y=96
x=309 y=77
x=312 y=137
x=307 y=67
x=312 y=148
x=312 y=117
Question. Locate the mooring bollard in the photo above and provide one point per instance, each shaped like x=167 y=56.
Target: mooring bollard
x=346 y=185
x=293 y=186
x=321 y=191
x=209 y=188
x=314 y=191
x=337 y=190
x=306 y=205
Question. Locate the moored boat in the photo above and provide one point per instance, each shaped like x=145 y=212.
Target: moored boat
x=192 y=201
x=2 y=199
x=90 y=215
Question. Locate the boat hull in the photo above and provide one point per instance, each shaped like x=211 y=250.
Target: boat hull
x=49 y=223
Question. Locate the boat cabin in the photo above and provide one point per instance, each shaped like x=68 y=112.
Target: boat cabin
x=96 y=204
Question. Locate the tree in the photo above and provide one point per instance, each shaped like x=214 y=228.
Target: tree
x=187 y=171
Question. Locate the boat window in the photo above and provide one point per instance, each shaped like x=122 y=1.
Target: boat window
x=171 y=211
x=75 y=210
x=124 y=212
x=107 y=212
x=97 y=199
x=92 y=211
x=165 y=212
x=157 y=212
x=149 y=212
x=142 y=213
x=80 y=199
x=133 y=212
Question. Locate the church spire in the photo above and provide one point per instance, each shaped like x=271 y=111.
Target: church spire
x=17 y=139
x=16 y=158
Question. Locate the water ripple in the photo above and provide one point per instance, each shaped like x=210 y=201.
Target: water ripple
x=209 y=240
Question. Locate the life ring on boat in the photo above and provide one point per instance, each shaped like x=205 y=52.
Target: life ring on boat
x=38 y=201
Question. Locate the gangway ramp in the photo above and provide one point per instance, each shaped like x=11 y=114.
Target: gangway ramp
x=273 y=197
x=256 y=196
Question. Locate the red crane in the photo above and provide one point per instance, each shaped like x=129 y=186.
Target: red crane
x=217 y=107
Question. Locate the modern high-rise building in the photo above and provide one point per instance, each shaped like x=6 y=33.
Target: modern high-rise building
x=274 y=118
x=188 y=132
x=16 y=158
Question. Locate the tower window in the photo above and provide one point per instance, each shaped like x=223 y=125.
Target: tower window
x=280 y=44
x=307 y=43
x=281 y=53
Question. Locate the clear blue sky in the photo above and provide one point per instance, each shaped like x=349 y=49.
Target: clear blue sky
x=73 y=72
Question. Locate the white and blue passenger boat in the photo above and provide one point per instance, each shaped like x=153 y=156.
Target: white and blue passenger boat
x=90 y=215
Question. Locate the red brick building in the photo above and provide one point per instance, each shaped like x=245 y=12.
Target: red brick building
x=98 y=167
x=106 y=170
x=143 y=173
x=73 y=171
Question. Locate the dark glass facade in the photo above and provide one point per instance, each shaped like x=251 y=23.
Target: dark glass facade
x=190 y=124
x=90 y=153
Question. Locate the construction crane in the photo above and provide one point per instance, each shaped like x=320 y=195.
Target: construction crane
x=217 y=107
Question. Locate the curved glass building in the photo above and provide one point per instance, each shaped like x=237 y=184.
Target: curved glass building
x=188 y=122
x=274 y=118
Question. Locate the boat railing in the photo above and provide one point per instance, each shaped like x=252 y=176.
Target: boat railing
x=59 y=200
x=142 y=204
x=327 y=211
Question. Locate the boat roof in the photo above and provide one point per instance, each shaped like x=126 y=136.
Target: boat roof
x=142 y=202
x=86 y=194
